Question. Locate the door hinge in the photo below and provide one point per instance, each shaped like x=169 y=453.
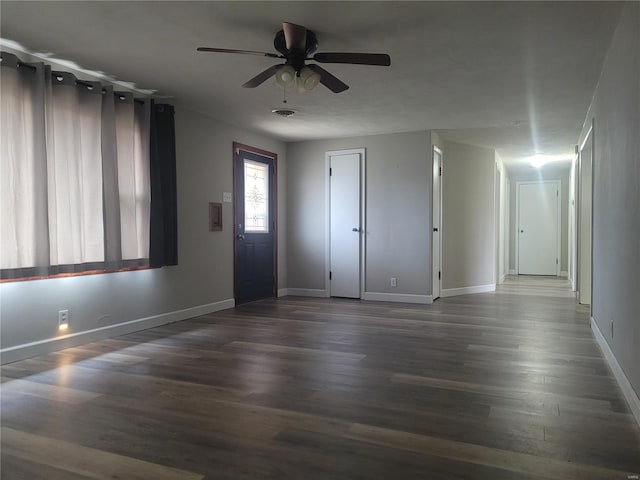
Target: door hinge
x=330 y=275
x=556 y=261
x=557 y=193
x=330 y=171
x=440 y=171
x=439 y=275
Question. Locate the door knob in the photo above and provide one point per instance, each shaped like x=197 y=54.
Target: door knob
x=240 y=236
x=521 y=231
x=435 y=229
x=355 y=229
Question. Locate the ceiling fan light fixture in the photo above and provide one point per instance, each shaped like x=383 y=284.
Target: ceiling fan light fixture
x=307 y=80
x=286 y=77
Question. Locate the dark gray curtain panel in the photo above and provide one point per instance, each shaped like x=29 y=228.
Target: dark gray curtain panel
x=163 y=243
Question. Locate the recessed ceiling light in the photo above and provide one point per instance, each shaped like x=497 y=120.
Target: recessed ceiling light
x=539 y=160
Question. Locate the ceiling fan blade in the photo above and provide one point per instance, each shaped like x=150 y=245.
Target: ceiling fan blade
x=381 y=59
x=244 y=52
x=328 y=80
x=295 y=36
x=263 y=76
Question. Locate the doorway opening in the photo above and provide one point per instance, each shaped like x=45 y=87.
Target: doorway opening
x=255 y=224
x=584 y=218
x=345 y=223
x=436 y=243
x=538 y=228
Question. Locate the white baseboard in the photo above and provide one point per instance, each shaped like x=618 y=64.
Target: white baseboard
x=627 y=390
x=452 y=292
x=502 y=278
x=398 y=297
x=42 y=347
x=307 y=292
x=564 y=274
x=283 y=292
x=512 y=272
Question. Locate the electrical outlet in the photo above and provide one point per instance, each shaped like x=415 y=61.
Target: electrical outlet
x=63 y=319
x=394 y=282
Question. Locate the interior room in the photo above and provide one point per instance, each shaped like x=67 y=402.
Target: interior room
x=362 y=240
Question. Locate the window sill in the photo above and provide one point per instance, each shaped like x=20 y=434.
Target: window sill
x=73 y=274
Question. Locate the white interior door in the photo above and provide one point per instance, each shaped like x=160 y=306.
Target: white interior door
x=345 y=225
x=538 y=230
x=572 y=227
x=436 y=257
x=498 y=223
x=507 y=227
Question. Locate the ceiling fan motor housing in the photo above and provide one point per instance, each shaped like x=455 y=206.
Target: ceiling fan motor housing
x=295 y=57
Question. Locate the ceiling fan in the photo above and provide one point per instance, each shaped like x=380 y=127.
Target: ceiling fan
x=296 y=44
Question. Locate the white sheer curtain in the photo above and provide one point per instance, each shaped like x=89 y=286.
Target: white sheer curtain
x=75 y=173
x=74 y=163
x=23 y=172
x=132 y=132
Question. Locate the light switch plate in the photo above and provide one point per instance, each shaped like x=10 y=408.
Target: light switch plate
x=226 y=197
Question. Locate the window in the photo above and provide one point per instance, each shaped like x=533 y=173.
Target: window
x=256 y=195
x=75 y=177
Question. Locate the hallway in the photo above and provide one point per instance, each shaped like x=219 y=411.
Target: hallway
x=543 y=286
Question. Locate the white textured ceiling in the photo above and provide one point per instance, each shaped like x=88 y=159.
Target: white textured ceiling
x=515 y=76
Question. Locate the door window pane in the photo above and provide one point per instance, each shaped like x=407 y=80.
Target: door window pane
x=256 y=195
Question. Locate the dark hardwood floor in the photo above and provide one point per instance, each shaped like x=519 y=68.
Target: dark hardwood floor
x=505 y=385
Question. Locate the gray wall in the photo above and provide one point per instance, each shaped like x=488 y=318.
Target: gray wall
x=398 y=206
x=204 y=276
x=547 y=172
x=468 y=216
x=616 y=200
x=205 y=170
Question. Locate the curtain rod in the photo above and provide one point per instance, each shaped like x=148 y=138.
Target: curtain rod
x=87 y=83
x=22 y=64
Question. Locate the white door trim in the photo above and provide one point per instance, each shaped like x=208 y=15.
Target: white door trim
x=363 y=216
x=558 y=184
x=586 y=138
